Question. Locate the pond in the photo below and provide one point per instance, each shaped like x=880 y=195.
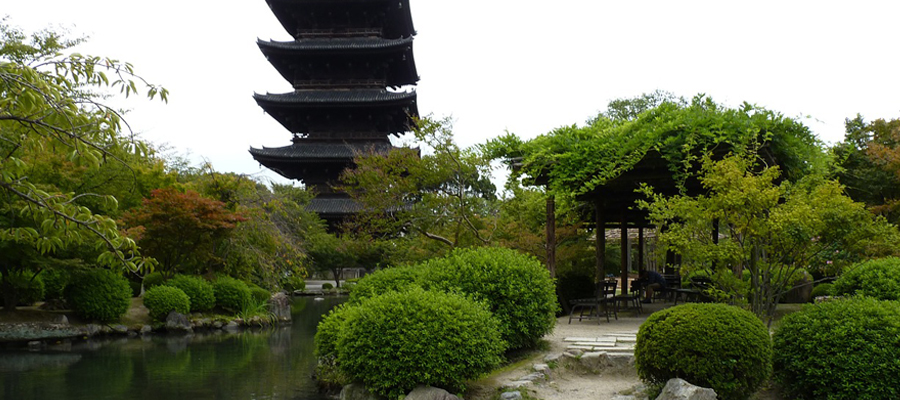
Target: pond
x=274 y=363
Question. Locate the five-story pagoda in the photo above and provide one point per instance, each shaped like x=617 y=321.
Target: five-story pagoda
x=351 y=66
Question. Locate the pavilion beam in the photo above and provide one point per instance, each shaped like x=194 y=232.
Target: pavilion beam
x=641 y=249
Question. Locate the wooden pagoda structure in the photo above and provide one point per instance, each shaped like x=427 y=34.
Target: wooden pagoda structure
x=352 y=70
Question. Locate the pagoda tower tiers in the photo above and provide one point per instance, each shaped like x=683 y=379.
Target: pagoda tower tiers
x=352 y=70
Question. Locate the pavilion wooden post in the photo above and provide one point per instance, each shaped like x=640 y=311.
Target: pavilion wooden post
x=640 y=249
x=623 y=227
x=551 y=235
x=600 y=233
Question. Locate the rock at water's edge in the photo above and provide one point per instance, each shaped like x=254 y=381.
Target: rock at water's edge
x=178 y=322
x=430 y=393
x=680 y=389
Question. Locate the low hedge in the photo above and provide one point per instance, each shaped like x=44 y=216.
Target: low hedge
x=874 y=278
x=153 y=279
x=840 y=349
x=397 y=341
x=98 y=294
x=822 y=289
x=55 y=282
x=198 y=290
x=161 y=300
x=718 y=346
x=231 y=294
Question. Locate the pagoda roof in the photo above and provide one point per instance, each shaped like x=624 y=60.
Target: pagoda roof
x=334 y=98
x=300 y=60
x=302 y=151
x=338 y=45
x=334 y=206
x=302 y=17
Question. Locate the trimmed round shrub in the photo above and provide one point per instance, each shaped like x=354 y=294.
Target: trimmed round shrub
x=718 y=346
x=99 y=294
x=29 y=288
x=822 y=289
x=153 y=279
x=161 y=300
x=259 y=294
x=874 y=278
x=198 y=290
x=840 y=349
x=396 y=279
x=231 y=294
x=327 y=286
x=327 y=331
x=516 y=287
x=397 y=341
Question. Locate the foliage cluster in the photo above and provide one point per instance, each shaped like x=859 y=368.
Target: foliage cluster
x=718 y=346
x=867 y=163
x=878 y=278
x=55 y=282
x=259 y=294
x=772 y=229
x=98 y=294
x=29 y=287
x=153 y=279
x=197 y=289
x=822 y=289
x=840 y=349
x=400 y=340
x=161 y=300
x=231 y=294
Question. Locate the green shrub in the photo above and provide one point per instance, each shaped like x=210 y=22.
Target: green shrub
x=153 y=279
x=712 y=345
x=822 y=289
x=328 y=330
x=99 y=294
x=260 y=295
x=396 y=279
x=161 y=300
x=399 y=340
x=30 y=288
x=840 y=349
x=874 y=278
x=292 y=283
x=231 y=294
x=197 y=289
x=55 y=282
x=327 y=286
x=516 y=287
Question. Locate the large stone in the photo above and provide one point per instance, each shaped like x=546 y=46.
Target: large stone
x=511 y=396
x=430 y=393
x=357 y=391
x=280 y=306
x=680 y=389
x=178 y=322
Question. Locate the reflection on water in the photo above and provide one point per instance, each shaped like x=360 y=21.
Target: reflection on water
x=268 y=364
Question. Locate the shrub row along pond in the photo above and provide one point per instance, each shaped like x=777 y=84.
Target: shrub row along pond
x=438 y=323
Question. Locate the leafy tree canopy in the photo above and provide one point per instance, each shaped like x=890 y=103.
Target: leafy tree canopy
x=867 y=162
x=51 y=108
x=576 y=160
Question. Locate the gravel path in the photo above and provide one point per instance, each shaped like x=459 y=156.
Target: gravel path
x=568 y=384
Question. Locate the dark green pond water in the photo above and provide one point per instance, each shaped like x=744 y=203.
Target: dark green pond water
x=266 y=364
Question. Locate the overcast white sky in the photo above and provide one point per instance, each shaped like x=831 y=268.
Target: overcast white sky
x=496 y=65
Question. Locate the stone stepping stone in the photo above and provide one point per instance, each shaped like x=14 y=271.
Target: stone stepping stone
x=596 y=344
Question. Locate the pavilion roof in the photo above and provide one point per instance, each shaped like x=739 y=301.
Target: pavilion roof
x=304 y=17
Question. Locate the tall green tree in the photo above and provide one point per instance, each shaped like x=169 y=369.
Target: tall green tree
x=444 y=194
x=53 y=103
x=772 y=229
x=867 y=162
